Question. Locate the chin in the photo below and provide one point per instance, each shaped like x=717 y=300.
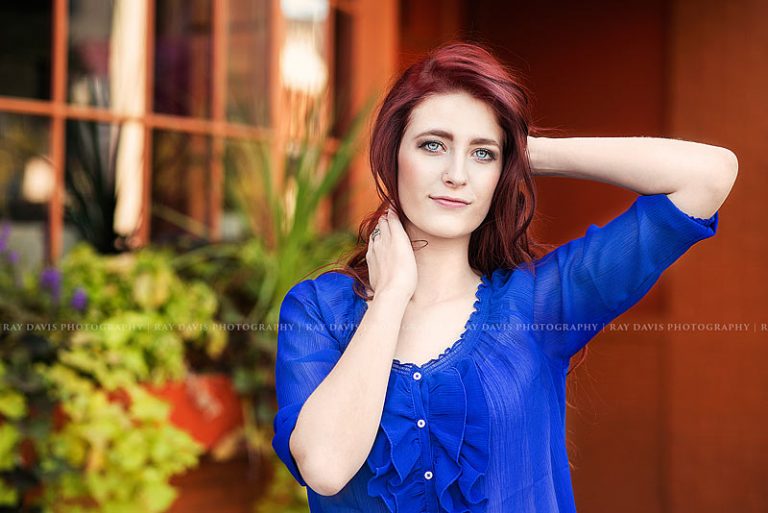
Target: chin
x=445 y=230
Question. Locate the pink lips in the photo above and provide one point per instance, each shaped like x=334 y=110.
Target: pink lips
x=448 y=203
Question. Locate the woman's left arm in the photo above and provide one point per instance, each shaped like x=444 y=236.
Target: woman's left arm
x=696 y=177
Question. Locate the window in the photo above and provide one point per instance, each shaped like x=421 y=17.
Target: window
x=148 y=93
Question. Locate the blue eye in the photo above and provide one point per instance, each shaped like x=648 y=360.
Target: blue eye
x=424 y=145
x=490 y=155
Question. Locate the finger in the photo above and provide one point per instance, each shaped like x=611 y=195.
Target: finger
x=381 y=229
x=384 y=225
x=392 y=216
x=394 y=222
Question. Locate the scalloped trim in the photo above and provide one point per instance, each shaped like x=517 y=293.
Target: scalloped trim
x=480 y=294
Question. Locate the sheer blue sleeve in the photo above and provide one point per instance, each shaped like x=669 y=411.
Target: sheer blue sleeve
x=306 y=354
x=587 y=282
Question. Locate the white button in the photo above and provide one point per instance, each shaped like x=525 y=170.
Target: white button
x=421 y=423
x=417 y=376
x=427 y=475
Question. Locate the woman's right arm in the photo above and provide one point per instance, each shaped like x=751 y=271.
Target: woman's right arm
x=338 y=423
x=331 y=402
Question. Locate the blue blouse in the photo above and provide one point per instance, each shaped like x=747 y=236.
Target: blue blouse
x=481 y=427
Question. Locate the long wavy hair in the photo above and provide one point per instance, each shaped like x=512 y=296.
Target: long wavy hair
x=502 y=240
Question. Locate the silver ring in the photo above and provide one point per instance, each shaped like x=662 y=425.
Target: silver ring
x=376 y=231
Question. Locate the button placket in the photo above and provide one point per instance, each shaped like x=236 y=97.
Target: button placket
x=420 y=401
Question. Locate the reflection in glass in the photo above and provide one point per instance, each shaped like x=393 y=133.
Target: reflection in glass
x=90 y=181
x=25 y=49
x=128 y=89
x=26 y=178
x=26 y=182
x=107 y=68
x=304 y=67
x=180 y=185
x=90 y=26
x=183 y=57
x=248 y=92
x=303 y=63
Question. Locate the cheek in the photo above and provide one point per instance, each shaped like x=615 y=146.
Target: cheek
x=488 y=188
x=411 y=175
x=405 y=185
x=409 y=165
x=493 y=183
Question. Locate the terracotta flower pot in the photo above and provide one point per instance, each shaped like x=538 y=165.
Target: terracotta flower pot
x=204 y=405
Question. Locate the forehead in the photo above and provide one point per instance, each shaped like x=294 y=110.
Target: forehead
x=459 y=113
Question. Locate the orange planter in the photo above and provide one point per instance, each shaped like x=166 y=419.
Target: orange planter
x=206 y=406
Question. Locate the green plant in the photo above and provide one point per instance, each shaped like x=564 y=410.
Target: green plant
x=169 y=316
x=278 y=205
x=251 y=275
x=283 y=494
x=78 y=429
x=90 y=176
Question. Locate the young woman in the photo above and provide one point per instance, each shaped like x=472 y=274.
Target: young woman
x=428 y=373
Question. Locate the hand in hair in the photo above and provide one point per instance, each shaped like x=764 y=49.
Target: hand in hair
x=390 y=258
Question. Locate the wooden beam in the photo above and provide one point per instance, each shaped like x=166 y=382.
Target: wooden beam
x=145 y=219
x=220 y=29
x=57 y=134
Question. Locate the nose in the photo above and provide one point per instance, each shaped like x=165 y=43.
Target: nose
x=456 y=173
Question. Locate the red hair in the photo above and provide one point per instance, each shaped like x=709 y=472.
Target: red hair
x=502 y=239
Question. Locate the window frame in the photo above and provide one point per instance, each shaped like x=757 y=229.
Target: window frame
x=58 y=112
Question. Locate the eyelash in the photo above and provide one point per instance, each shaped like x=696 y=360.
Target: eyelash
x=491 y=154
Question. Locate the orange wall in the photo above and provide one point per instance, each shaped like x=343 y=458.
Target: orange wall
x=718 y=386
x=372 y=63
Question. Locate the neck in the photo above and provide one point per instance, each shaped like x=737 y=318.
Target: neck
x=443 y=270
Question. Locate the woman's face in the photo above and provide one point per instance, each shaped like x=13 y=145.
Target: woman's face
x=451 y=147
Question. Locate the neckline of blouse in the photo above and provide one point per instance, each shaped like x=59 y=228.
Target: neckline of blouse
x=457 y=348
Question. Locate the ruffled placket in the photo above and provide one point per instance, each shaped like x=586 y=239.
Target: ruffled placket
x=457 y=421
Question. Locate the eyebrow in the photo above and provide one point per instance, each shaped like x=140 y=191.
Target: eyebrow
x=449 y=136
